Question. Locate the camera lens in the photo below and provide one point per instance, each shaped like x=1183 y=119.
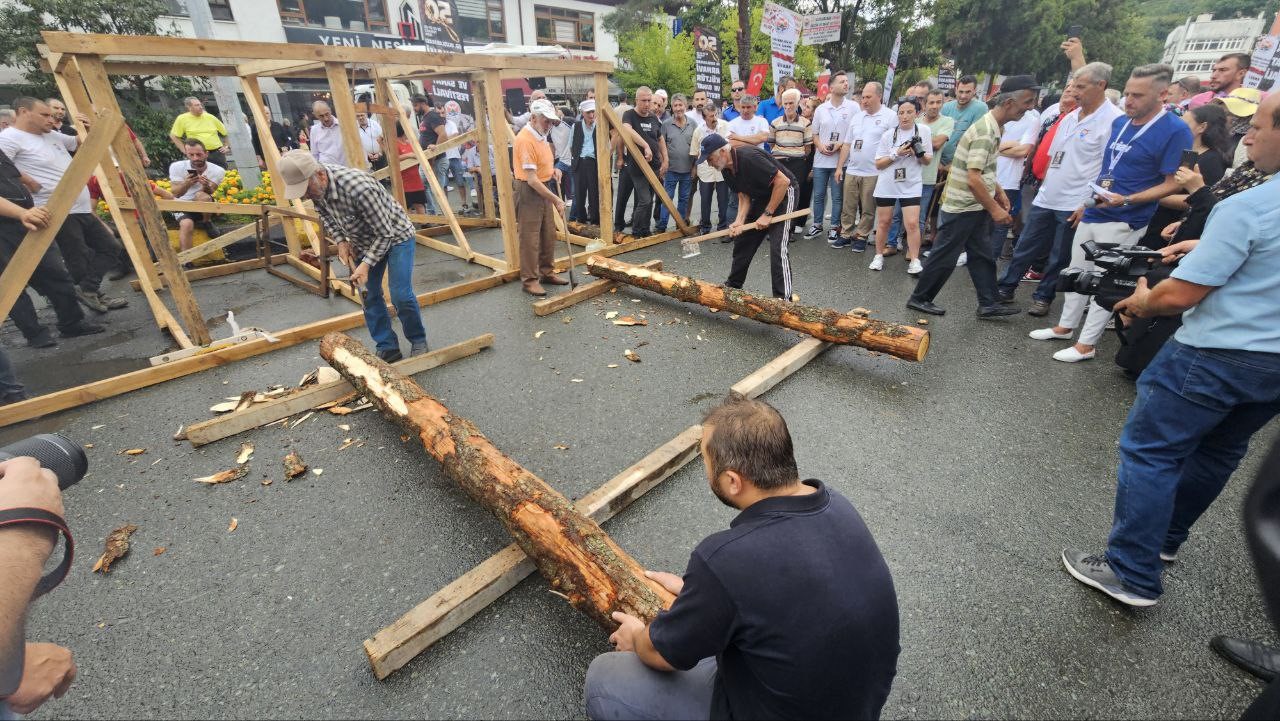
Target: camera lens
x=55 y=452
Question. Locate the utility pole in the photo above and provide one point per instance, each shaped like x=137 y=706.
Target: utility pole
x=224 y=93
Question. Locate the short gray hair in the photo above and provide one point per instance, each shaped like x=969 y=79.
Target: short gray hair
x=680 y=97
x=791 y=94
x=747 y=99
x=1160 y=73
x=7 y=113
x=190 y=99
x=1098 y=72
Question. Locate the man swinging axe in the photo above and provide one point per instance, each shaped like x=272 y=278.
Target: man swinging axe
x=765 y=190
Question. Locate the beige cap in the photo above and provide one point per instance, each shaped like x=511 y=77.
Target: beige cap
x=296 y=169
x=545 y=109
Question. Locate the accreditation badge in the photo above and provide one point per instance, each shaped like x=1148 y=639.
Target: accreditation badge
x=857 y=144
x=1056 y=162
x=900 y=174
x=1105 y=182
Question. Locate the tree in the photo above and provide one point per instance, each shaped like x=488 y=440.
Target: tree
x=654 y=58
x=806 y=59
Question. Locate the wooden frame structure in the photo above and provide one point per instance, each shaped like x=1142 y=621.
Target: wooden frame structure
x=83 y=64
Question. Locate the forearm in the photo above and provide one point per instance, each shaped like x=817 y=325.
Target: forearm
x=1174 y=296
x=777 y=197
x=744 y=204
x=10 y=209
x=177 y=143
x=1152 y=194
x=982 y=195
x=882 y=163
x=648 y=654
x=20 y=566
x=540 y=188
x=182 y=186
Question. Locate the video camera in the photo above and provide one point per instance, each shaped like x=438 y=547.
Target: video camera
x=66 y=459
x=1122 y=266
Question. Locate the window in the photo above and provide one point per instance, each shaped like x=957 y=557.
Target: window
x=1220 y=44
x=481 y=21
x=220 y=9
x=567 y=28
x=355 y=15
x=1195 y=66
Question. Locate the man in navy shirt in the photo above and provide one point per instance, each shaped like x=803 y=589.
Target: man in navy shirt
x=1138 y=165
x=790 y=613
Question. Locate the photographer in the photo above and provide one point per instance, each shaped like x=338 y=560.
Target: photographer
x=30 y=673
x=901 y=155
x=1213 y=385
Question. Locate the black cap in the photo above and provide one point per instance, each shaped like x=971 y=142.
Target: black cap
x=1014 y=83
x=710 y=144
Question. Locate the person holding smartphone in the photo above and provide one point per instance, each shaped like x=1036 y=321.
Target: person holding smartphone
x=194 y=178
x=1208 y=158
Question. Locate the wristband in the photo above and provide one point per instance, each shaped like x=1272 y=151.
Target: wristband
x=41 y=517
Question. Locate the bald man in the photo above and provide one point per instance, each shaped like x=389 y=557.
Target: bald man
x=325 y=136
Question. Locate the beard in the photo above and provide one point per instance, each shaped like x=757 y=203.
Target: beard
x=715 y=489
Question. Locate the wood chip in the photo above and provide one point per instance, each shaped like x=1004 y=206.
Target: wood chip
x=714 y=310
x=181 y=434
x=302 y=420
x=539 y=334
x=344 y=426
x=922 y=321
x=566 y=320
x=613 y=365
x=116 y=547
x=860 y=311
x=317 y=471
x=134 y=452
x=97 y=427
x=347 y=443
x=631 y=355
x=226 y=407
x=267 y=481
x=611 y=315
x=628 y=321
x=325 y=406
x=227 y=476
x=293 y=466
x=339 y=410
x=245 y=400
x=560 y=447
x=735 y=316
x=246 y=452
x=233 y=525
x=159 y=550
x=575 y=380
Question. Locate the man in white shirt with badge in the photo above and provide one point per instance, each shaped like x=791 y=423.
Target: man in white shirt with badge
x=830 y=124
x=857 y=168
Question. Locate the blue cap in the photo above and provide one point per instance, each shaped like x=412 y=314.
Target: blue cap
x=710 y=144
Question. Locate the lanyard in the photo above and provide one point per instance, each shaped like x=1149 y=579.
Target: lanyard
x=1115 y=151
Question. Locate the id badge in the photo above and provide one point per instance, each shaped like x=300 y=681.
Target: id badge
x=900 y=174
x=1106 y=181
x=857 y=144
x=1056 y=162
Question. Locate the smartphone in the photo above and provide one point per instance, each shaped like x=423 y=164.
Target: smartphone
x=1075 y=31
x=1189 y=159
x=192 y=172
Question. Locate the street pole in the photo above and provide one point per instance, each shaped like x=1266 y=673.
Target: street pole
x=224 y=93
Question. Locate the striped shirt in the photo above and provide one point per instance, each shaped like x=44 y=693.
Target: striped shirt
x=790 y=139
x=356 y=208
x=978 y=148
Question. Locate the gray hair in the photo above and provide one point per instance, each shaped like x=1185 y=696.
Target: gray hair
x=748 y=99
x=879 y=87
x=7 y=113
x=1160 y=73
x=1002 y=98
x=190 y=99
x=680 y=97
x=791 y=94
x=1098 y=72
x=320 y=104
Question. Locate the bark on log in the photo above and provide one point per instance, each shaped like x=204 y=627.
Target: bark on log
x=902 y=341
x=579 y=559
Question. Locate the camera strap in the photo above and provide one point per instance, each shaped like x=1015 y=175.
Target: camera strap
x=41 y=517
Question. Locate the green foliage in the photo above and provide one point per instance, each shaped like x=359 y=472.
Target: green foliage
x=807 y=63
x=652 y=57
x=1159 y=17
x=152 y=126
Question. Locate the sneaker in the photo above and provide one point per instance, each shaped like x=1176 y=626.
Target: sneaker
x=1071 y=355
x=1032 y=277
x=964 y=258
x=841 y=242
x=877 y=263
x=1095 y=572
x=43 y=339
x=1004 y=298
x=84 y=327
x=391 y=355
x=1049 y=334
x=859 y=245
x=91 y=301
x=112 y=302
x=833 y=235
x=915 y=267
x=418 y=348
x=1039 y=309
x=813 y=232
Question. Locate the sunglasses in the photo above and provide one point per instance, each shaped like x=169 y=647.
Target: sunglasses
x=739 y=89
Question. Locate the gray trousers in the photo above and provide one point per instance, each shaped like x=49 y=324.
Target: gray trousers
x=620 y=686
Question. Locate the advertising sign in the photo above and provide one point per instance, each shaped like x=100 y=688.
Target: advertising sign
x=821 y=28
x=707 y=63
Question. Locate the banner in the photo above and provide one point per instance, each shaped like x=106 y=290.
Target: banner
x=776 y=17
x=821 y=28
x=824 y=85
x=784 y=32
x=755 y=83
x=947 y=77
x=1264 y=64
x=440 y=36
x=706 y=64
x=893 y=65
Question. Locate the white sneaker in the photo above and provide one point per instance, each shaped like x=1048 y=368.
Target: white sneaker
x=915 y=267
x=1048 y=334
x=877 y=263
x=964 y=258
x=1071 y=355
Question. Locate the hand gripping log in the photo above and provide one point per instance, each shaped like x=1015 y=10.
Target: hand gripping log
x=902 y=341
x=579 y=559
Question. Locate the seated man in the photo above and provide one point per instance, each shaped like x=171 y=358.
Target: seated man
x=790 y=613
x=193 y=179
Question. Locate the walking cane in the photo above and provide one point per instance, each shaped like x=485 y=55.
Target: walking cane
x=564 y=228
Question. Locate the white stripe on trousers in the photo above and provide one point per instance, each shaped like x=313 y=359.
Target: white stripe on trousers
x=786 y=240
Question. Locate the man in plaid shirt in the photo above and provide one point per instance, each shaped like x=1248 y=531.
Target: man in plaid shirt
x=373 y=234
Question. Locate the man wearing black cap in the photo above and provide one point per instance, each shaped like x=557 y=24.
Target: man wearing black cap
x=765 y=190
x=971 y=201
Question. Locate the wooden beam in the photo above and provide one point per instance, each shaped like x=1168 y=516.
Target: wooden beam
x=222 y=269
x=259 y=414
x=637 y=155
x=271 y=156
x=198 y=206
x=584 y=291
x=344 y=108
x=604 y=161
x=16 y=274
x=506 y=200
x=462 y=222
x=485 y=191
x=478 y=258
x=454 y=142
x=166 y=69
x=390 y=150
x=271 y=67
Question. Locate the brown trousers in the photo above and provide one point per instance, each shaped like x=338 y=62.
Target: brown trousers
x=537 y=230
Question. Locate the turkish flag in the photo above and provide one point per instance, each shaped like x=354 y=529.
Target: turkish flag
x=824 y=85
x=756 y=82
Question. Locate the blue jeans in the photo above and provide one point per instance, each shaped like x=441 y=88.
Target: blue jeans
x=376 y=318
x=926 y=194
x=439 y=166
x=1187 y=431
x=823 y=180
x=1045 y=230
x=565 y=188
x=683 y=181
x=1000 y=233
x=722 y=193
x=9 y=385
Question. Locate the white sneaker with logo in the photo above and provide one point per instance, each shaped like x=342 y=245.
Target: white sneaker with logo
x=877 y=263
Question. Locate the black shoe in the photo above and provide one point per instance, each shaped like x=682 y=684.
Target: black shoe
x=391 y=356
x=43 y=339
x=13 y=398
x=1258 y=659
x=925 y=306
x=1004 y=298
x=91 y=301
x=997 y=311
x=119 y=273
x=84 y=327
x=1038 y=309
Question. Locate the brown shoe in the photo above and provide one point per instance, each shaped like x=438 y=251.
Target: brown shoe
x=889 y=250
x=532 y=287
x=554 y=280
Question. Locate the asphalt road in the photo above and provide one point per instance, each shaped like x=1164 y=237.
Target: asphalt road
x=973 y=469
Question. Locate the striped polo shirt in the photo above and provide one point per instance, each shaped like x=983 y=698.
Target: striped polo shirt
x=790 y=139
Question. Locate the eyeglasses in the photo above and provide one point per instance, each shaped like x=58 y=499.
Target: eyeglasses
x=739 y=88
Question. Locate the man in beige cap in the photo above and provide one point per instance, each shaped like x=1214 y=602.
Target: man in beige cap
x=374 y=236
x=534 y=164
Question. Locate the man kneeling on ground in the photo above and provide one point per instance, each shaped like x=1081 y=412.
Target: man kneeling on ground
x=790 y=613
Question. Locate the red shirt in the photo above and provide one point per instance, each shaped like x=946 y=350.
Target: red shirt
x=412 y=179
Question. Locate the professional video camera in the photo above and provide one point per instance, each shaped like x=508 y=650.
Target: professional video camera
x=67 y=460
x=1121 y=267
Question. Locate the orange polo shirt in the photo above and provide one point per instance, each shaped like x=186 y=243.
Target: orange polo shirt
x=533 y=152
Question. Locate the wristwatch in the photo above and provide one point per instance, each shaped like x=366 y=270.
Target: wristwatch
x=1127 y=201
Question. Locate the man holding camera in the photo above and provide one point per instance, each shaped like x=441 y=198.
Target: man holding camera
x=1212 y=386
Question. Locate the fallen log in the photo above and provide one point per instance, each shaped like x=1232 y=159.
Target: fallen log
x=902 y=341
x=580 y=560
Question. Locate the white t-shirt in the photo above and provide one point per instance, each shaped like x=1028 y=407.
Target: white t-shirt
x=178 y=173
x=902 y=179
x=740 y=127
x=865 y=131
x=706 y=173
x=1025 y=131
x=371 y=137
x=695 y=117
x=450 y=130
x=45 y=158
x=831 y=123
x=1075 y=158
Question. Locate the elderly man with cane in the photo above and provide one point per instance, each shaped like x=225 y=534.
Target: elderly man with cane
x=533 y=164
x=374 y=236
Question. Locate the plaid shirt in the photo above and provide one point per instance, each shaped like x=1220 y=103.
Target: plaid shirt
x=356 y=208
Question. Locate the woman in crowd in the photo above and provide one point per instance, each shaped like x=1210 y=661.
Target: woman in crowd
x=1212 y=143
x=710 y=180
x=900 y=181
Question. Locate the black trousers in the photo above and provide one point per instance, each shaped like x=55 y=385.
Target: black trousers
x=586 y=193
x=89 y=249
x=219 y=158
x=50 y=279
x=800 y=168
x=960 y=233
x=778 y=235
x=624 y=196
x=641 y=220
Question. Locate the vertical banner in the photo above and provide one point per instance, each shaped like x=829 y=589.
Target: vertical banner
x=1262 y=67
x=755 y=83
x=947 y=77
x=440 y=36
x=893 y=66
x=824 y=85
x=784 y=32
x=707 y=69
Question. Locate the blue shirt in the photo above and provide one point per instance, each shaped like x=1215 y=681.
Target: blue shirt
x=731 y=112
x=964 y=118
x=1155 y=154
x=588 y=141
x=1238 y=254
x=770 y=110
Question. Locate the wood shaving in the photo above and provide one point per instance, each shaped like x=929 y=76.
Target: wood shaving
x=227 y=476
x=344 y=426
x=922 y=321
x=246 y=452
x=613 y=365
x=159 y=550
x=302 y=420
x=116 y=547
x=611 y=315
x=631 y=355
x=317 y=471
x=233 y=525
x=339 y=410
x=539 y=334
x=133 y=452
x=293 y=466
x=627 y=320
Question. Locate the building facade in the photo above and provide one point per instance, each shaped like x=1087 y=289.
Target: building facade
x=1193 y=47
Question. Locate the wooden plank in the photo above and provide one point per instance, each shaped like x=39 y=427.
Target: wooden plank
x=337 y=285
x=344 y=108
x=394 y=646
x=477 y=258
x=218 y=271
x=166 y=69
x=231 y=237
x=270 y=67
x=506 y=200
x=660 y=191
x=462 y=222
x=485 y=191
x=259 y=414
x=16 y=274
x=582 y=292
x=270 y=154
x=390 y=151
x=451 y=143
x=198 y=206
x=604 y=160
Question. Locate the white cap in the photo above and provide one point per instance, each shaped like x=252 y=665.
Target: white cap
x=545 y=109
x=586 y=106
x=296 y=169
